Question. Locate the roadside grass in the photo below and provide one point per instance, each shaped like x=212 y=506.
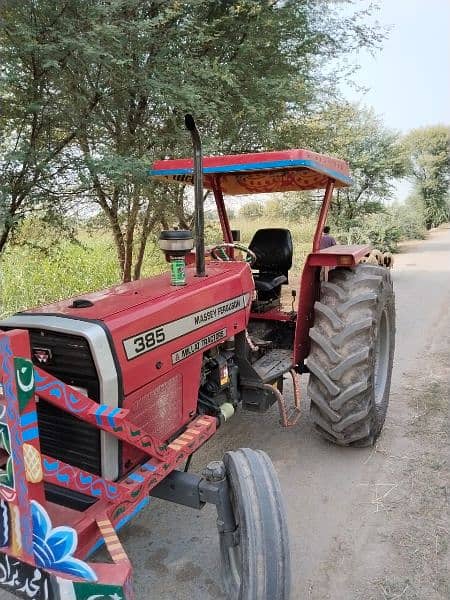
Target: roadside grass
x=30 y=277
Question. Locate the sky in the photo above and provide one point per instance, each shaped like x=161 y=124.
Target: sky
x=407 y=82
x=409 y=79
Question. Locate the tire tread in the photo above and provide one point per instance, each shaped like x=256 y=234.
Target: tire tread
x=341 y=359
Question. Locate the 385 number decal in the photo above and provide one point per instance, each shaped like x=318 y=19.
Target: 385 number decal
x=145 y=342
x=163 y=333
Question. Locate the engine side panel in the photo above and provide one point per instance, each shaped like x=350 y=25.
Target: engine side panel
x=163 y=406
x=152 y=339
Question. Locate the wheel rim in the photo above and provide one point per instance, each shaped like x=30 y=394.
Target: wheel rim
x=234 y=552
x=235 y=559
x=382 y=348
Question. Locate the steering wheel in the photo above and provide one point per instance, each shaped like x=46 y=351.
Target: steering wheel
x=218 y=252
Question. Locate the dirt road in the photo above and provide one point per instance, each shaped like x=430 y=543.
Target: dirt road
x=365 y=524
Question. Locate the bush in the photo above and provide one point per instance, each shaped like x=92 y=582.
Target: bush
x=409 y=221
x=384 y=230
x=44 y=234
x=380 y=232
x=29 y=277
x=45 y=269
x=291 y=206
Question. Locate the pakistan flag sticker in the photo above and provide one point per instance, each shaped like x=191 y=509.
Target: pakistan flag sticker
x=89 y=591
x=25 y=381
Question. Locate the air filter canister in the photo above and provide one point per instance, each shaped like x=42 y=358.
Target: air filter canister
x=175 y=245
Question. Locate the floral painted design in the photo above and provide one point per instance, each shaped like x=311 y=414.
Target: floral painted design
x=53 y=547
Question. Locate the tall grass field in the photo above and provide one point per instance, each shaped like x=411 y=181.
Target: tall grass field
x=30 y=277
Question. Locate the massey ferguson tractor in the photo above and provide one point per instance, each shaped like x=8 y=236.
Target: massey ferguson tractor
x=105 y=397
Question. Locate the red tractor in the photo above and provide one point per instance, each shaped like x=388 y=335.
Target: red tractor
x=105 y=397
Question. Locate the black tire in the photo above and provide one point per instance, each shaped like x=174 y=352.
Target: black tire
x=351 y=356
x=258 y=567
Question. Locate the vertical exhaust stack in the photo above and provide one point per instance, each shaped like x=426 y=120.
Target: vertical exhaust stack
x=198 y=191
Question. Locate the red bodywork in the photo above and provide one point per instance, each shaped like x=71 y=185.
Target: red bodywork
x=127 y=310
x=156 y=422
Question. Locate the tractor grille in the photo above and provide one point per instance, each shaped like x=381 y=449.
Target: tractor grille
x=62 y=435
x=159 y=410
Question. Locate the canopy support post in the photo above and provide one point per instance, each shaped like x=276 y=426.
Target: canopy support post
x=323 y=214
x=224 y=222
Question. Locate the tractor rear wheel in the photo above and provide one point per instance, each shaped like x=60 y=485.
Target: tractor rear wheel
x=257 y=567
x=351 y=356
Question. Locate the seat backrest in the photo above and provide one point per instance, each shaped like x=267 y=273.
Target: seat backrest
x=273 y=249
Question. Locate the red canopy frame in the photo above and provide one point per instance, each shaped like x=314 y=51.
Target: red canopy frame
x=279 y=171
x=255 y=173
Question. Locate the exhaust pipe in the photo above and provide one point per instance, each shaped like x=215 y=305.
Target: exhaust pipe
x=198 y=191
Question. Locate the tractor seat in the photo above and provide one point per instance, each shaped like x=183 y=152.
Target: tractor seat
x=273 y=250
x=268 y=282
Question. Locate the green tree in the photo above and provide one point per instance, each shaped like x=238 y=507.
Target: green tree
x=373 y=152
x=121 y=74
x=272 y=208
x=293 y=207
x=37 y=123
x=239 y=65
x=428 y=151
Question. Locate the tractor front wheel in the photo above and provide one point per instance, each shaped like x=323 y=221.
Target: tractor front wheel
x=351 y=356
x=256 y=566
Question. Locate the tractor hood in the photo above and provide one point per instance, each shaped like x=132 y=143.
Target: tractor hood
x=148 y=322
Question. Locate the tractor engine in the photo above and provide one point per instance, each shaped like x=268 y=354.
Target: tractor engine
x=219 y=391
x=164 y=353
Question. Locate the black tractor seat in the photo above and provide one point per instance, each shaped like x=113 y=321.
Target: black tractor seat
x=273 y=250
x=266 y=282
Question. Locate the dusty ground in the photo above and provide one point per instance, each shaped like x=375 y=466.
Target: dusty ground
x=365 y=524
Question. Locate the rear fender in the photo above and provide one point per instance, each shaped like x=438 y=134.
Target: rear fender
x=335 y=256
x=338 y=256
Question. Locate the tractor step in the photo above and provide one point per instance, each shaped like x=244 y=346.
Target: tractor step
x=273 y=364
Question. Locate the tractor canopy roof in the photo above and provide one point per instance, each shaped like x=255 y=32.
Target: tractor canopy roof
x=262 y=172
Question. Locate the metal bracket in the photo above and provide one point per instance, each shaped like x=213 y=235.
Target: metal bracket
x=181 y=488
x=218 y=493
x=194 y=491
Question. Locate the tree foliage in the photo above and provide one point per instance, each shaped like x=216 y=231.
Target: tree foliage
x=290 y=207
x=96 y=91
x=428 y=151
x=37 y=121
x=373 y=152
x=251 y=210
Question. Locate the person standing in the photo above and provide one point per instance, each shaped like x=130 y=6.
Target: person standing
x=327 y=240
